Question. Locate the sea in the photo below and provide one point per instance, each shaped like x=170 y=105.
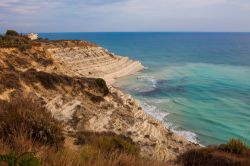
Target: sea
x=198 y=84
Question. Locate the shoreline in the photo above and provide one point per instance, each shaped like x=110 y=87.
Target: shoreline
x=154 y=138
x=159 y=115
x=82 y=104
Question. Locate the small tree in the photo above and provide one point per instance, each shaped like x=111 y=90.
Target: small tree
x=11 y=33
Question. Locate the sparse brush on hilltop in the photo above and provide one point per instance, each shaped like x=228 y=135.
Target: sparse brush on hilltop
x=14 y=39
x=11 y=33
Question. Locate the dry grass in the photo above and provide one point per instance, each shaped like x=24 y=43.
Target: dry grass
x=234 y=153
x=89 y=156
x=48 y=80
x=41 y=58
x=25 y=116
x=9 y=80
x=26 y=126
x=86 y=155
x=108 y=141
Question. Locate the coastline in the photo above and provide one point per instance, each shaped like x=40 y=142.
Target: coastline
x=153 y=111
x=153 y=136
x=81 y=105
x=160 y=115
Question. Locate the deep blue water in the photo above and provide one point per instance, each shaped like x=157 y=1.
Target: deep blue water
x=198 y=83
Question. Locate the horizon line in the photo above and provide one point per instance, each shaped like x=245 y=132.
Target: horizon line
x=145 y=32
x=136 y=32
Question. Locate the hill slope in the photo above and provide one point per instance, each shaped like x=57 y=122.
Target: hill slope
x=63 y=76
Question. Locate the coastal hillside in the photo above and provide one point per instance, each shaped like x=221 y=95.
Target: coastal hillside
x=66 y=77
x=58 y=107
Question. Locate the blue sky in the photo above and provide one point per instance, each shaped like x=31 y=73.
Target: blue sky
x=125 y=15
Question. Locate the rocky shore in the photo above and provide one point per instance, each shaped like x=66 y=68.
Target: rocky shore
x=119 y=113
x=60 y=75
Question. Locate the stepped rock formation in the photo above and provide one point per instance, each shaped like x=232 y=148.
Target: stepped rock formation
x=61 y=75
x=94 y=61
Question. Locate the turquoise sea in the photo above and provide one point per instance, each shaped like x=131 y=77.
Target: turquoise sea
x=197 y=83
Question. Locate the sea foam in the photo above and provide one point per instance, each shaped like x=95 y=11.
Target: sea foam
x=162 y=116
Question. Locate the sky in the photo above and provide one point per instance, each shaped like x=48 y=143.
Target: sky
x=125 y=15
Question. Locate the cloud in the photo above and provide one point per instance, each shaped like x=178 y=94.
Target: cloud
x=126 y=15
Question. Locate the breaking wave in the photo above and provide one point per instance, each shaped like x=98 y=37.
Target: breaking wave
x=162 y=116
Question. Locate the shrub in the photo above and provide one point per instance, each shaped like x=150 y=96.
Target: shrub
x=101 y=83
x=234 y=153
x=48 y=80
x=111 y=143
x=16 y=41
x=26 y=159
x=94 y=98
x=11 y=33
x=25 y=116
x=108 y=141
x=24 y=47
x=10 y=80
x=235 y=146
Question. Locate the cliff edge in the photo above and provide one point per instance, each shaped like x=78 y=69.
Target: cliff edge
x=63 y=76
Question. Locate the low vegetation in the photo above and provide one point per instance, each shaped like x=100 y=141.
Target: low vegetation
x=30 y=136
x=13 y=39
x=26 y=159
x=101 y=83
x=235 y=146
x=234 y=153
x=11 y=33
x=108 y=141
x=12 y=78
x=24 y=116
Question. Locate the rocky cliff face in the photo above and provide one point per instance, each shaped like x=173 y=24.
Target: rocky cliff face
x=61 y=74
x=94 y=61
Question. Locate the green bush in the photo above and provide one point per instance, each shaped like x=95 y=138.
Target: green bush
x=11 y=33
x=101 y=83
x=236 y=146
x=234 y=153
x=26 y=159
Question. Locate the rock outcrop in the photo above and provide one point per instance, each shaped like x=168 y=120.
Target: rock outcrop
x=94 y=62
